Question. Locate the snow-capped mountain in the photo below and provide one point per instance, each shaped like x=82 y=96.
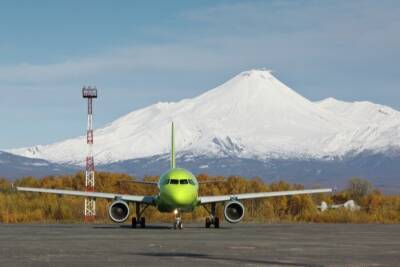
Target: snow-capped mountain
x=251 y=116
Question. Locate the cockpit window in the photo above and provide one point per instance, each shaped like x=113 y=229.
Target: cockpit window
x=191 y=182
x=174 y=181
x=166 y=181
x=184 y=181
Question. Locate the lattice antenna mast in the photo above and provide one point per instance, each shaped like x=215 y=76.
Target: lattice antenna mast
x=90 y=203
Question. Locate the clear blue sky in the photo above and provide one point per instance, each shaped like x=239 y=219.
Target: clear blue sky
x=142 y=52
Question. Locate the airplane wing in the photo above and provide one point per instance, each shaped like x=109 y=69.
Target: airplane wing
x=127 y=198
x=215 y=199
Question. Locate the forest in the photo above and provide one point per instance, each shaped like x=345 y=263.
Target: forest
x=18 y=207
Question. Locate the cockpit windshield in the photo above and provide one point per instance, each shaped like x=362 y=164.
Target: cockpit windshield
x=179 y=181
x=184 y=181
x=174 y=181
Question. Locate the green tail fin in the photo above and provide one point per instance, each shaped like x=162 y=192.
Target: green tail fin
x=172 y=146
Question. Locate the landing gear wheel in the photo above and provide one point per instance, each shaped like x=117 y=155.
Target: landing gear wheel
x=142 y=222
x=216 y=222
x=180 y=225
x=208 y=222
x=134 y=222
x=177 y=225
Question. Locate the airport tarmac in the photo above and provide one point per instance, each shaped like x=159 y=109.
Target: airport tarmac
x=237 y=245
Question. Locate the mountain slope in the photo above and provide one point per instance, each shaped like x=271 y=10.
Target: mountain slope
x=376 y=127
x=251 y=116
x=12 y=166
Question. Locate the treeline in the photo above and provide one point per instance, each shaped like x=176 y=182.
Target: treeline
x=17 y=207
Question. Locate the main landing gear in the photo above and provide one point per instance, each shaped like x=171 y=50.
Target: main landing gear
x=139 y=219
x=212 y=219
x=178 y=220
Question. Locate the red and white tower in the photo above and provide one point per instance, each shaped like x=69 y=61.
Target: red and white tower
x=90 y=203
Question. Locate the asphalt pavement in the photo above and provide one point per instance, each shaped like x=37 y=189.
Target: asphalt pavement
x=232 y=245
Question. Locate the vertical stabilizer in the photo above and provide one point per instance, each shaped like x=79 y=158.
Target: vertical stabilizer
x=172 y=146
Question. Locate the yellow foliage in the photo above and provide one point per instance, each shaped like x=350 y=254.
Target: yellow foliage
x=18 y=207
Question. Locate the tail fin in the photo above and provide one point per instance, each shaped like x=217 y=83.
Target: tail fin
x=172 y=146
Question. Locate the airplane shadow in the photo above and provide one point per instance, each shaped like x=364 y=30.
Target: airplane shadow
x=216 y=258
x=153 y=227
x=148 y=227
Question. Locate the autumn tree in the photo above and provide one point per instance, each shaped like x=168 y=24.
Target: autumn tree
x=358 y=188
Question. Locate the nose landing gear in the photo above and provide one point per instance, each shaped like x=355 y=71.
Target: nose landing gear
x=178 y=220
x=178 y=224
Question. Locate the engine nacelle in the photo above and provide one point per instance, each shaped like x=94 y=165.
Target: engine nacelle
x=234 y=211
x=118 y=211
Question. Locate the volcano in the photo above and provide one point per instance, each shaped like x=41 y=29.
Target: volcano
x=251 y=118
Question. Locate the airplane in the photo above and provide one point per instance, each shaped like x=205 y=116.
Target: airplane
x=178 y=192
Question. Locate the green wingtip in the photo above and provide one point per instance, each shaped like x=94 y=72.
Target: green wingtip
x=172 y=146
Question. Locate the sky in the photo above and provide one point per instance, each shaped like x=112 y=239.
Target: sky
x=142 y=52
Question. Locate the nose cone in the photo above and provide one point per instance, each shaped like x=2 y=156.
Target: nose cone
x=183 y=196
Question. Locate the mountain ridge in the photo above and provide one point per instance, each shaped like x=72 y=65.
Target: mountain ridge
x=251 y=116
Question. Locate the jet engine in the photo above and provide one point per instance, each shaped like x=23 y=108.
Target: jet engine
x=118 y=211
x=234 y=211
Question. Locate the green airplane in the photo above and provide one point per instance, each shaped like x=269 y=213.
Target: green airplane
x=178 y=192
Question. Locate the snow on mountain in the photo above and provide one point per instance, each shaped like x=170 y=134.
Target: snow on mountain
x=363 y=112
x=376 y=127
x=253 y=115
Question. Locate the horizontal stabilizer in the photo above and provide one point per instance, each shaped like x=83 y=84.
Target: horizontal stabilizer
x=212 y=181
x=143 y=182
